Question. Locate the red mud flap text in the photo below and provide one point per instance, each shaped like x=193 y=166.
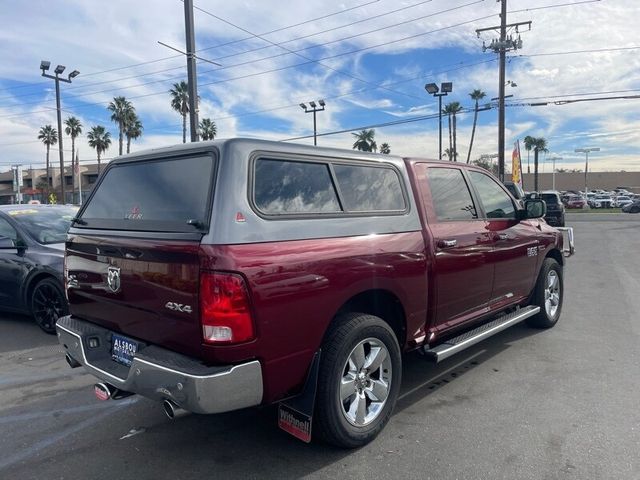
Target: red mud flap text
x=293 y=422
x=295 y=414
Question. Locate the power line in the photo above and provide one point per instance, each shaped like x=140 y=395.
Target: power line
x=435 y=116
x=301 y=64
x=254 y=61
x=351 y=52
x=207 y=48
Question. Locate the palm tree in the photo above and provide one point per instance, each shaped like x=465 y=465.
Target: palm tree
x=528 y=145
x=539 y=145
x=450 y=155
x=365 y=141
x=385 y=148
x=100 y=139
x=73 y=129
x=121 y=109
x=476 y=95
x=180 y=103
x=451 y=109
x=49 y=136
x=133 y=129
x=455 y=109
x=208 y=129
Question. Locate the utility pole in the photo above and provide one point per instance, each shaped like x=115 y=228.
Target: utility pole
x=501 y=46
x=44 y=66
x=191 y=69
x=17 y=181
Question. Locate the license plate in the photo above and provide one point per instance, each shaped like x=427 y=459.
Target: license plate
x=123 y=349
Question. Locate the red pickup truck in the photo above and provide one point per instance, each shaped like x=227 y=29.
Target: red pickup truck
x=221 y=275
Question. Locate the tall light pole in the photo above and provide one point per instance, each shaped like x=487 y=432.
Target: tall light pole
x=586 y=162
x=313 y=108
x=44 y=66
x=432 y=89
x=553 y=176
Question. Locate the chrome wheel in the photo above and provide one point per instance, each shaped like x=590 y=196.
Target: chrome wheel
x=552 y=294
x=365 y=382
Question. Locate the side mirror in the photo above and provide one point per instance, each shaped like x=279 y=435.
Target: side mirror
x=6 y=243
x=534 y=208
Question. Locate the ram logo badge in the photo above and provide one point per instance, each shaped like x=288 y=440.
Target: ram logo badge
x=178 y=307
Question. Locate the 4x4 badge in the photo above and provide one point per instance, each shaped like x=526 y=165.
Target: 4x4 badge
x=113 y=279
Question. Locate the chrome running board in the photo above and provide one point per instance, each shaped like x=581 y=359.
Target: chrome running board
x=471 y=337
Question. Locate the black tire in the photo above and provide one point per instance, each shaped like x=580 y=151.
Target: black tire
x=47 y=304
x=331 y=418
x=543 y=295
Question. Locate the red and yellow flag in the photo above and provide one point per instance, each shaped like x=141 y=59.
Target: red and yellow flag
x=516 y=164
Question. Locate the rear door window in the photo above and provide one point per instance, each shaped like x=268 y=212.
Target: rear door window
x=167 y=195
x=450 y=195
x=366 y=189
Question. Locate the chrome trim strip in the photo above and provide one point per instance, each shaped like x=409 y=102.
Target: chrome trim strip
x=446 y=350
x=567 y=236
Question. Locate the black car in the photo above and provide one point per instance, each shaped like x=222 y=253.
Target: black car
x=632 y=207
x=31 y=260
x=555 y=207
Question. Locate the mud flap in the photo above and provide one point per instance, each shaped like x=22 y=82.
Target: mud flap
x=295 y=415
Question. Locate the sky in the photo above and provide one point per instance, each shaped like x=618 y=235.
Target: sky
x=368 y=59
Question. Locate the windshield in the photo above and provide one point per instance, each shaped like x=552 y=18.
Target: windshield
x=46 y=224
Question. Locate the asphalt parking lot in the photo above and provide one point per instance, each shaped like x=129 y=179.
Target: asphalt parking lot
x=526 y=404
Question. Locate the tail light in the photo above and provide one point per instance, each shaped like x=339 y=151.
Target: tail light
x=225 y=313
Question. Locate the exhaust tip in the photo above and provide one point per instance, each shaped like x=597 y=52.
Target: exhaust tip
x=173 y=411
x=103 y=391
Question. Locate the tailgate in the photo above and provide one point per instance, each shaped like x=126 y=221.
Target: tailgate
x=132 y=253
x=141 y=288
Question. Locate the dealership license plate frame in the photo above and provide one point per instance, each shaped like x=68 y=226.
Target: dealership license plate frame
x=121 y=351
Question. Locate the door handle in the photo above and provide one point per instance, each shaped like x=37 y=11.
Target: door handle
x=503 y=236
x=447 y=243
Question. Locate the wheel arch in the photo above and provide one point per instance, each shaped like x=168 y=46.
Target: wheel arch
x=381 y=303
x=556 y=255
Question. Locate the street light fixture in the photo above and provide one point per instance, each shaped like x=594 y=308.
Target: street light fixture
x=44 y=66
x=586 y=162
x=314 y=108
x=444 y=89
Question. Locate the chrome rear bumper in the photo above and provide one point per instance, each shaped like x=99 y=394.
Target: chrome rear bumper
x=161 y=374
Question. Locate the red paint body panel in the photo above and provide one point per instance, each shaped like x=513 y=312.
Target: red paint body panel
x=296 y=287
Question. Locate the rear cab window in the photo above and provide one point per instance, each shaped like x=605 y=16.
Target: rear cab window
x=157 y=195
x=284 y=187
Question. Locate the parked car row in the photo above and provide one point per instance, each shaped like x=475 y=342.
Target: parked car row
x=617 y=198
